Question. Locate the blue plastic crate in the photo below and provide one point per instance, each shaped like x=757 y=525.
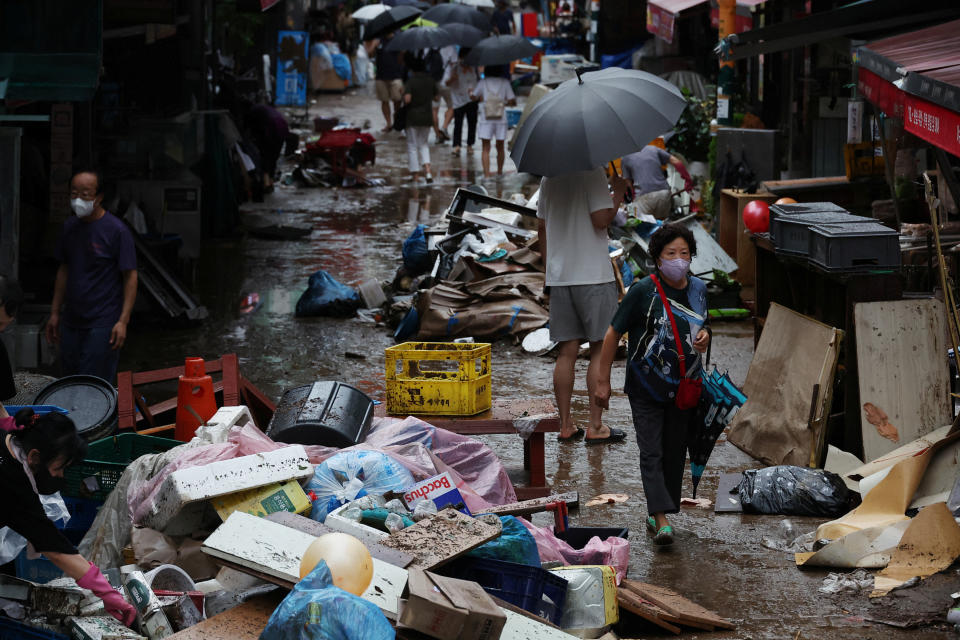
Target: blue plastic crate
x=531 y=588
x=13 y=630
x=39 y=409
x=82 y=512
x=42 y=570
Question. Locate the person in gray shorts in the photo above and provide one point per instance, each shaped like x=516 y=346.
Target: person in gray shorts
x=575 y=211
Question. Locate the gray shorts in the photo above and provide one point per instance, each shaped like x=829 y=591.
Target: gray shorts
x=656 y=203
x=582 y=312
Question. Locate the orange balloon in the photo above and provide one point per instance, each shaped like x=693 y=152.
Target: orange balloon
x=785 y=201
x=349 y=561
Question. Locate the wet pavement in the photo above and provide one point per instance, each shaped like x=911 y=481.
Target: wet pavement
x=718 y=560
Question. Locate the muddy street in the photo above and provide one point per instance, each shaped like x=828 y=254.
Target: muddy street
x=718 y=561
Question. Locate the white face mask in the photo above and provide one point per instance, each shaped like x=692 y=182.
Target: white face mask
x=81 y=207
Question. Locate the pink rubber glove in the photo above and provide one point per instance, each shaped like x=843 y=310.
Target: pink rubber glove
x=8 y=424
x=113 y=602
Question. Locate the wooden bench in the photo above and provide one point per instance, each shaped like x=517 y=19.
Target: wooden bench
x=498 y=420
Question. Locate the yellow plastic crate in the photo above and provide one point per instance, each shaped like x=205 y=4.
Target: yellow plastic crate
x=439 y=378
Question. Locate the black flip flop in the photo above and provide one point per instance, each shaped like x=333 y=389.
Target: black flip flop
x=579 y=433
x=616 y=435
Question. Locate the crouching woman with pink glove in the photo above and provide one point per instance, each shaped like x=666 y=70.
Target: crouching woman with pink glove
x=35 y=453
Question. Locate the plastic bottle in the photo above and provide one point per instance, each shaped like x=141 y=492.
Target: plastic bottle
x=397 y=507
x=353 y=512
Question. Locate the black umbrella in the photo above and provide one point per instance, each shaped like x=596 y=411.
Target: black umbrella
x=406 y=3
x=463 y=34
x=458 y=14
x=390 y=21
x=417 y=38
x=719 y=402
x=500 y=50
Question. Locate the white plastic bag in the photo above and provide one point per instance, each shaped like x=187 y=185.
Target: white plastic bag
x=12 y=543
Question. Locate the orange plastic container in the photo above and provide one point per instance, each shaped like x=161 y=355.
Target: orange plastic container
x=195 y=391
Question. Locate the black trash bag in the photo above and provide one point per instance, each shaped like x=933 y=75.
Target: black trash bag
x=795 y=491
x=325 y=296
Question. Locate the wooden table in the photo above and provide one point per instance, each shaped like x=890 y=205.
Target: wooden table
x=500 y=419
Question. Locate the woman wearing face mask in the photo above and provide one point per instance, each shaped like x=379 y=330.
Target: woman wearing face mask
x=654 y=367
x=35 y=453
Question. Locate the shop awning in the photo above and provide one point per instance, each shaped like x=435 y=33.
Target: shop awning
x=662 y=14
x=916 y=76
x=859 y=17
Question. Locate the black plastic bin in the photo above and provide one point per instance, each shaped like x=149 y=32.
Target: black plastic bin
x=578 y=537
x=331 y=414
x=91 y=403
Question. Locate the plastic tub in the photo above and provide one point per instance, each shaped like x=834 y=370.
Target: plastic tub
x=13 y=630
x=331 y=414
x=578 y=537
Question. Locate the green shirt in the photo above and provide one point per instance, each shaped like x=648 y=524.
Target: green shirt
x=422 y=89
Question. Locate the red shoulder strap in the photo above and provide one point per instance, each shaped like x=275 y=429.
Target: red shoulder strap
x=673 y=323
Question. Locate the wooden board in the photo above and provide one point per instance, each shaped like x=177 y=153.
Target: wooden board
x=438 y=539
x=317 y=529
x=687 y=611
x=727 y=502
x=794 y=353
x=902 y=369
x=529 y=507
x=647 y=610
x=243 y=622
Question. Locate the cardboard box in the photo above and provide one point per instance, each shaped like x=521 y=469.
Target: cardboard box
x=280 y=496
x=448 y=609
x=441 y=489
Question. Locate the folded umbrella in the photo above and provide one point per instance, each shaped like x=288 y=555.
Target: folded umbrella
x=458 y=14
x=419 y=38
x=593 y=118
x=500 y=50
x=718 y=404
x=369 y=12
x=391 y=20
x=463 y=34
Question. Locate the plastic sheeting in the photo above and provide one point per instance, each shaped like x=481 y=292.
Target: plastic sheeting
x=614 y=552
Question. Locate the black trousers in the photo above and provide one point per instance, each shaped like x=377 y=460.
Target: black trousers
x=662 y=437
x=468 y=111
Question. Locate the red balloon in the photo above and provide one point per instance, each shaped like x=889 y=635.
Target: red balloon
x=756 y=216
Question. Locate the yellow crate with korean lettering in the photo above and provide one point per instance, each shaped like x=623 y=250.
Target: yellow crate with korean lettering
x=438 y=378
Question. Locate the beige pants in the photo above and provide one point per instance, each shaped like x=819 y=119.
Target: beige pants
x=656 y=203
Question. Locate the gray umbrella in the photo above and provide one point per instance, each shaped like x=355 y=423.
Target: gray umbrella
x=417 y=38
x=500 y=50
x=592 y=119
x=463 y=34
x=458 y=14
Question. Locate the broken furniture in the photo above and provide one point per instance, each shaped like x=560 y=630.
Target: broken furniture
x=829 y=298
x=235 y=389
x=506 y=417
x=666 y=608
x=734 y=237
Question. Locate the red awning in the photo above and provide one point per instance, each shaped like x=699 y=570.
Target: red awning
x=916 y=76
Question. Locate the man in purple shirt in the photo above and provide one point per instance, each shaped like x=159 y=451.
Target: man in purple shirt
x=96 y=283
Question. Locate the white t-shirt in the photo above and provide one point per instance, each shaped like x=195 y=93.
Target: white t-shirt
x=467 y=78
x=494 y=87
x=577 y=253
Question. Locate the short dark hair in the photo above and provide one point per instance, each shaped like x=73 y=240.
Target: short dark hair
x=92 y=170
x=53 y=435
x=497 y=71
x=414 y=62
x=11 y=295
x=667 y=234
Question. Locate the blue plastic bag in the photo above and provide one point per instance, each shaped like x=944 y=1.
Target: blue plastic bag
x=325 y=296
x=349 y=475
x=515 y=544
x=317 y=610
x=416 y=256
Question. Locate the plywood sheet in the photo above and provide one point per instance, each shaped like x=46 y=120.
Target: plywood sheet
x=529 y=507
x=243 y=622
x=902 y=369
x=650 y=612
x=687 y=611
x=439 y=539
x=794 y=354
x=929 y=545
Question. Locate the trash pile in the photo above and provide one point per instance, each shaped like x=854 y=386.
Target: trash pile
x=413 y=527
x=479 y=274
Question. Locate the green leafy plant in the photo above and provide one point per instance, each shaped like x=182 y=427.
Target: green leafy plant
x=692 y=133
